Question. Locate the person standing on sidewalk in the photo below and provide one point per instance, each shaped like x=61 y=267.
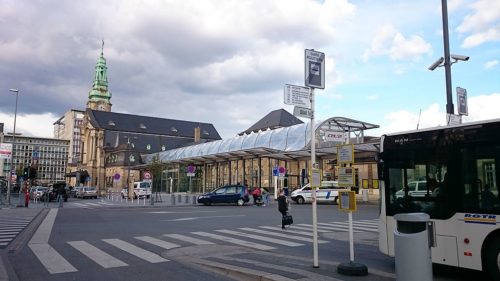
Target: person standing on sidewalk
x=282 y=207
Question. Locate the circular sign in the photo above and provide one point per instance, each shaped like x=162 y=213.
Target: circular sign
x=116 y=177
x=282 y=170
x=146 y=175
x=190 y=169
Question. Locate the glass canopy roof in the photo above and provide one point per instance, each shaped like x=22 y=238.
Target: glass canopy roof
x=286 y=139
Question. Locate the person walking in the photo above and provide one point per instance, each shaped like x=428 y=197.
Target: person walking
x=282 y=207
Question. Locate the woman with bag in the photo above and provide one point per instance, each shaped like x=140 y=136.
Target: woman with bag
x=282 y=207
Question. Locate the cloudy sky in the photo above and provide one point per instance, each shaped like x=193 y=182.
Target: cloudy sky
x=226 y=62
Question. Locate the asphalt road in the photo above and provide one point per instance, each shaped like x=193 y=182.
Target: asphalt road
x=199 y=243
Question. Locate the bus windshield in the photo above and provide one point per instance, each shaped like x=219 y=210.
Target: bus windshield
x=443 y=171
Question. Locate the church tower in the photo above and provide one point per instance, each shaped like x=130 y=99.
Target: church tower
x=99 y=96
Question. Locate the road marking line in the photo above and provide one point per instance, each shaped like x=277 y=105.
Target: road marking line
x=93 y=204
x=234 y=241
x=320 y=230
x=342 y=224
x=8 y=233
x=288 y=230
x=262 y=238
x=293 y=237
x=42 y=234
x=195 y=241
x=51 y=259
x=101 y=258
x=157 y=242
x=136 y=251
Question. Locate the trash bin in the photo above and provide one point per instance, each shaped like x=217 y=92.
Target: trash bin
x=412 y=245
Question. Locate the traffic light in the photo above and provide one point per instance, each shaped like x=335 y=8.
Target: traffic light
x=26 y=173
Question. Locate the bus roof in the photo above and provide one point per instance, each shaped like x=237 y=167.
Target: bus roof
x=444 y=127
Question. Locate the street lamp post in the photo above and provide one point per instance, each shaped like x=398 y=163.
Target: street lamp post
x=446 y=61
x=130 y=159
x=12 y=165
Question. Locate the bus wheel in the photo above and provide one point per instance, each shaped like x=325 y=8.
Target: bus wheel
x=492 y=259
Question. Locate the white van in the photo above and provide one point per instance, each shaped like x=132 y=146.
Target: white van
x=142 y=189
x=328 y=192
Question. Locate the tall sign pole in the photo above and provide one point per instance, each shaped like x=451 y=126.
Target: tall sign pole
x=314 y=78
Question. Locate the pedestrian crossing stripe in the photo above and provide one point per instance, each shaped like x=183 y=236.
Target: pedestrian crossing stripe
x=136 y=251
x=300 y=232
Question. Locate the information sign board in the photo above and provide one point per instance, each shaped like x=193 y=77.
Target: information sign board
x=462 y=101
x=347 y=201
x=315 y=178
x=346 y=176
x=5 y=150
x=345 y=154
x=297 y=95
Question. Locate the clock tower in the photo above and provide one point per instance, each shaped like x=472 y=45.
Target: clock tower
x=99 y=96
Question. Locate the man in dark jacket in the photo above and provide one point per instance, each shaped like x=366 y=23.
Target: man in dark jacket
x=282 y=207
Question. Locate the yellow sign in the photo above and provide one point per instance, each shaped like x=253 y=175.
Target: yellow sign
x=345 y=154
x=375 y=184
x=347 y=201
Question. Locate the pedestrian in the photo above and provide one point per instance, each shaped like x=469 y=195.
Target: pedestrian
x=26 y=196
x=265 y=195
x=282 y=207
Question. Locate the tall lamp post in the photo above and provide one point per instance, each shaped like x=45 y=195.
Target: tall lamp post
x=446 y=60
x=12 y=165
x=130 y=159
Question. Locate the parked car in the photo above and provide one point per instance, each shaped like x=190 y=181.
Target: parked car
x=415 y=189
x=327 y=193
x=141 y=189
x=87 y=192
x=37 y=192
x=235 y=194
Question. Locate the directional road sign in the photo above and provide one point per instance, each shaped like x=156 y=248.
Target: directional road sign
x=302 y=112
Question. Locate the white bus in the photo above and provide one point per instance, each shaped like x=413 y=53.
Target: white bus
x=457 y=171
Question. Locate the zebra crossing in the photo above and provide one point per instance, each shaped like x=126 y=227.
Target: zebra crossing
x=10 y=227
x=114 y=252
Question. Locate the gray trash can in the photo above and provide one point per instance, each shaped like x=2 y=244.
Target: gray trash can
x=412 y=245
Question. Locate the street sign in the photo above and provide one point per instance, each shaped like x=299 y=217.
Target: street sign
x=275 y=171
x=302 y=112
x=347 y=201
x=116 y=177
x=452 y=119
x=315 y=178
x=297 y=95
x=314 y=69
x=5 y=150
x=462 y=101
x=146 y=175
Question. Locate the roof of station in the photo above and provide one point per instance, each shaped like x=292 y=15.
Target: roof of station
x=286 y=143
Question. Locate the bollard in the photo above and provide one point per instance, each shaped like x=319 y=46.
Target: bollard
x=413 y=239
x=194 y=200
x=186 y=200
x=172 y=199
x=179 y=199
x=365 y=195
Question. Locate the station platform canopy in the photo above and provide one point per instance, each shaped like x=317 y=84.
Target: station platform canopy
x=283 y=143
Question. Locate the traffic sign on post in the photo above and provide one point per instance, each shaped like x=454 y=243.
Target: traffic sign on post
x=302 y=112
x=314 y=69
x=297 y=95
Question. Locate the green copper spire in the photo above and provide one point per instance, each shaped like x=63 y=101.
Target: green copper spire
x=99 y=90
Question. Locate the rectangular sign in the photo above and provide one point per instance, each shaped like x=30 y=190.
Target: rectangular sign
x=345 y=154
x=452 y=119
x=314 y=69
x=316 y=178
x=462 y=101
x=346 y=176
x=347 y=201
x=297 y=95
x=302 y=112
x=5 y=150
x=335 y=136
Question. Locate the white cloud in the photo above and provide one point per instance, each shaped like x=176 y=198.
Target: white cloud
x=38 y=125
x=372 y=97
x=482 y=25
x=482 y=107
x=388 y=41
x=490 y=64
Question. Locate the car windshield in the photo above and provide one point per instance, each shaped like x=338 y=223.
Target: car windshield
x=91 y=188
